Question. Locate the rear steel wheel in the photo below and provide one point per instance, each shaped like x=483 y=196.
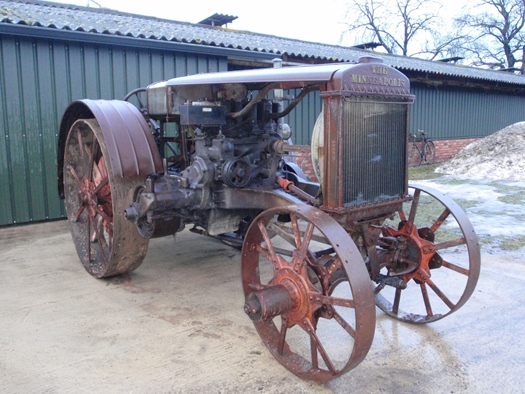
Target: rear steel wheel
x=307 y=291
x=430 y=247
x=95 y=200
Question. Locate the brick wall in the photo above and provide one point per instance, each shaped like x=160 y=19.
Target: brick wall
x=304 y=161
x=445 y=149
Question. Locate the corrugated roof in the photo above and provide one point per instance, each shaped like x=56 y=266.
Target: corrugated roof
x=105 y=21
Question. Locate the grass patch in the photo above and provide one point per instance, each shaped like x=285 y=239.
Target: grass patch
x=516 y=199
x=512 y=244
x=455 y=181
x=466 y=204
x=423 y=172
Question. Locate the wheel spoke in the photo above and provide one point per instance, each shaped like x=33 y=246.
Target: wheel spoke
x=271 y=252
x=303 y=250
x=105 y=217
x=313 y=354
x=100 y=243
x=92 y=162
x=343 y=323
x=264 y=252
x=334 y=301
x=79 y=212
x=450 y=244
x=102 y=183
x=282 y=335
x=440 y=294
x=402 y=216
x=317 y=343
x=456 y=268
x=80 y=145
x=440 y=220
x=108 y=221
x=281 y=231
x=89 y=237
x=424 y=293
x=296 y=230
x=413 y=207
x=75 y=176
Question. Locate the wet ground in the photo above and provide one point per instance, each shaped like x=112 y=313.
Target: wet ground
x=176 y=325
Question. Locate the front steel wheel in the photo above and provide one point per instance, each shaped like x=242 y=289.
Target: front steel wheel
x=431 y=253
x=307 y=291
x=95 y=199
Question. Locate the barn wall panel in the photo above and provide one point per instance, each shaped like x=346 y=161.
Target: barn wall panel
x=39 y=78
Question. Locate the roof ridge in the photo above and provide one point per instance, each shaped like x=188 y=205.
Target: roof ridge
x=114 y=22
x=106 y=11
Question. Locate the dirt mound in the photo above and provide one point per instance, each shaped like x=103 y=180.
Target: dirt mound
x=498 y=156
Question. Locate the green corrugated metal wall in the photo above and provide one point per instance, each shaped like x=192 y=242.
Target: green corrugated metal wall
x=446 y=113
x=302 y=119
x=38 y=79
x=451 y=113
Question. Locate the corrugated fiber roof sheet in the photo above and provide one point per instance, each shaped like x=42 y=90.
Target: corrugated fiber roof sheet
x=105 y=21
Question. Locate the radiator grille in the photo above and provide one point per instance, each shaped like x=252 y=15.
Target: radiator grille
x=374 y=151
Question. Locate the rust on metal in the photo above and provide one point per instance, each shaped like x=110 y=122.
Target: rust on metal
x=130 y=144
x=316 y=262
x=213 y=151
x=413 y=255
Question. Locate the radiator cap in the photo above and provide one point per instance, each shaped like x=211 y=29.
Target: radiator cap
x=370 y=59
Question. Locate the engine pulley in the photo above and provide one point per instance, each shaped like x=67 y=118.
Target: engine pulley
x=237 y=172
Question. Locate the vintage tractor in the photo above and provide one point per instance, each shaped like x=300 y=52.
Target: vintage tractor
x=211 y=150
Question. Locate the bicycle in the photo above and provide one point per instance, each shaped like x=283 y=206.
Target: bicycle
x=427 y=153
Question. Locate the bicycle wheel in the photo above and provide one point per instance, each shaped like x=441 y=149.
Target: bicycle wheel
x=429 y=153
x=414 y=156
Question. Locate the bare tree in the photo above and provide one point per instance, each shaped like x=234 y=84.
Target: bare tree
x=496 y=33
x=404 y=27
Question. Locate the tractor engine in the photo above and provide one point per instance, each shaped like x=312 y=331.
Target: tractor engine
x=227 y=143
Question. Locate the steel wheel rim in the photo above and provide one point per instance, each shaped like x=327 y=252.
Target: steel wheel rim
x=95 y=200
x=313 y=358
x=434 y=286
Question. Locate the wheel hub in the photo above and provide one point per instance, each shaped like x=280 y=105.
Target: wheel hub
x=287 y=295
x=411 y=256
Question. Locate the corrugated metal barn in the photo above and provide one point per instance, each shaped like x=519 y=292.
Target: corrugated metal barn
x=52 y=54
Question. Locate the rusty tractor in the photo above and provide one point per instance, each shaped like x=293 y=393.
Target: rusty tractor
x=212 y=151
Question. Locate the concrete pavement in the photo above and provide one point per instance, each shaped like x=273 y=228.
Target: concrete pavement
x=176 y=325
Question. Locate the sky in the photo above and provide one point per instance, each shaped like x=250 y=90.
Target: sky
x=315 y=21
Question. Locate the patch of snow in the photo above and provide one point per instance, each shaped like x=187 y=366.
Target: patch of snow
x=499 y=156
x=489 y=215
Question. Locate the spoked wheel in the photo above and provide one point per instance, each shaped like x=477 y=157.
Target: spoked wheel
x=431 y=256
x=95 y=200
x=414 y=156
x=307 y=291
x=429 y=153
x=138 y=98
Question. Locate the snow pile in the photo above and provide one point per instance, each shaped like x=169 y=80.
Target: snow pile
x=499 y=156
